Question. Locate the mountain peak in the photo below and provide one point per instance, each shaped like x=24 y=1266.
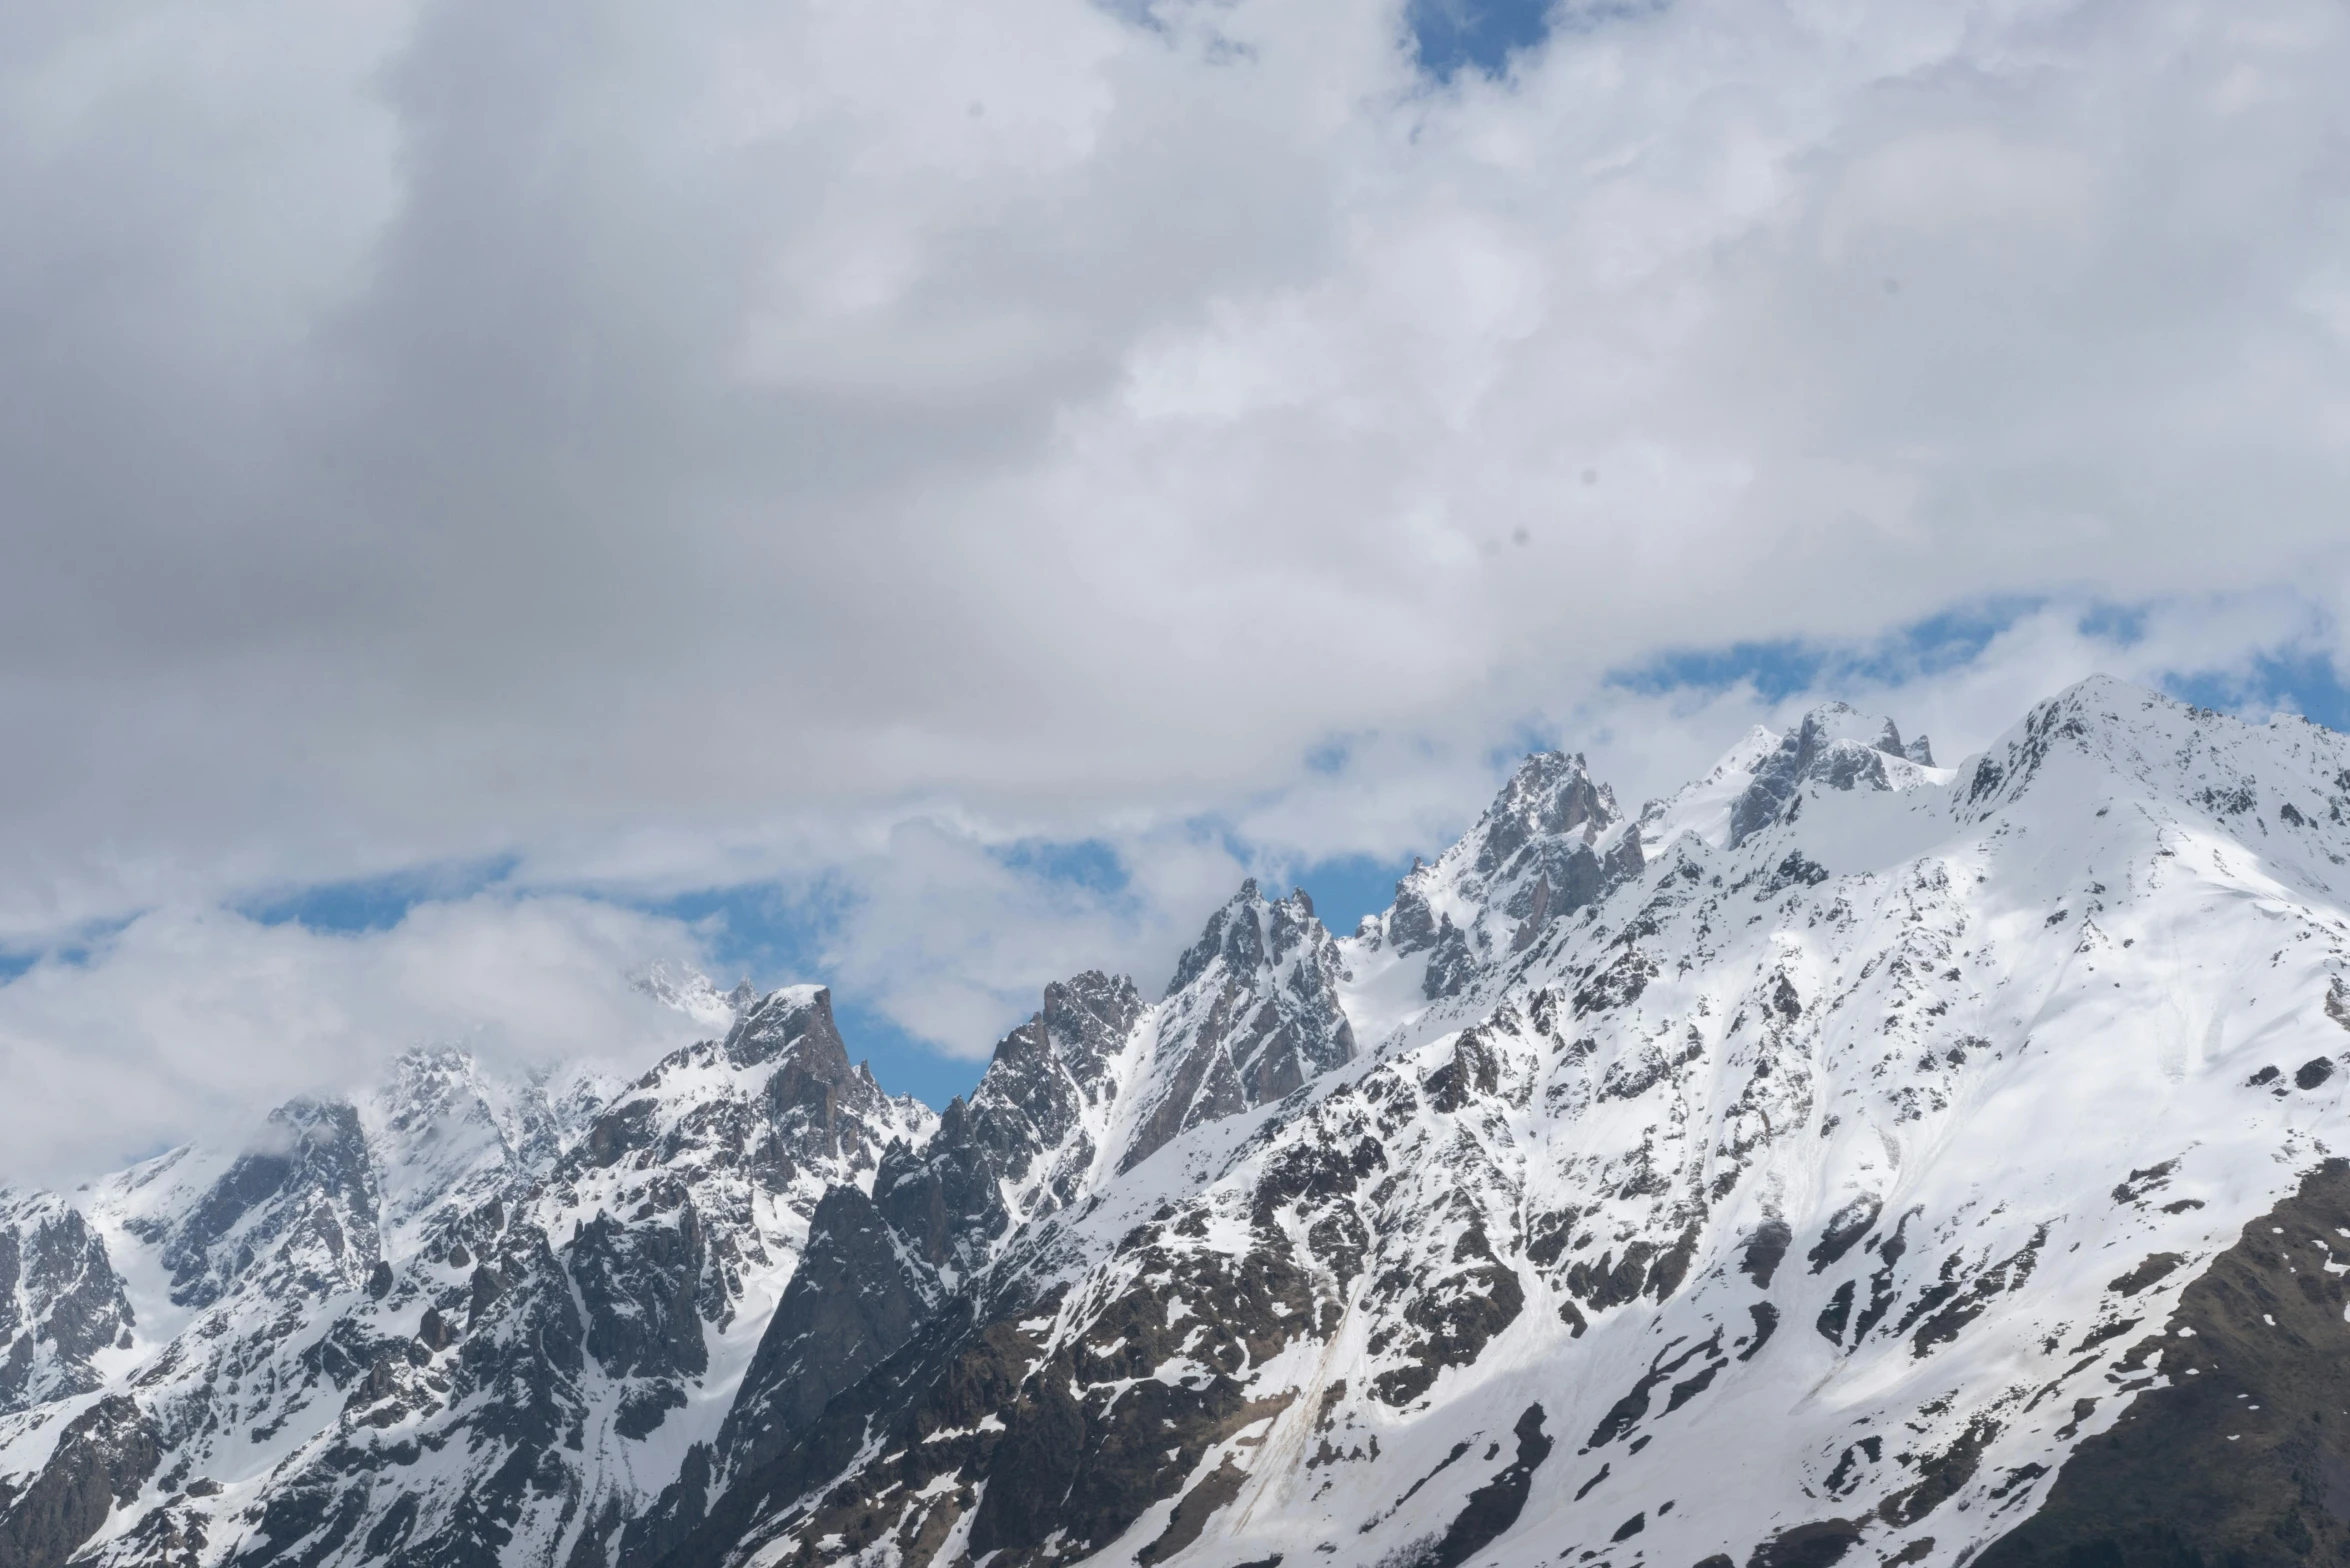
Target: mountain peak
x=1249 y=932
x=796 y=1019
x=1948 y=1120
x=692 y=993
x=1552 y=842
x=1549 y=795
x=1836 y=745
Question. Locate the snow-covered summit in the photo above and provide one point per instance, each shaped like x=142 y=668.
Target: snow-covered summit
x=694 y=994
x=1975 y=1133
x=62 y=1307
x=1552 y=843
x=1835 y=747
x=1895 y=1124
x=451 y=1261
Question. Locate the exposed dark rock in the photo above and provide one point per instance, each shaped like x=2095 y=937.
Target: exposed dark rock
x=166 y=1536
x=1766 y=1321
x=319 y=1190
x=1452 y=963
x=1846 y=1226
x=668 y=1526
x=2191 y=1473
x=1045 y=1073
x=1628 y=1412
x=2140 y=1183
x=1764 y=1251
x=1617 y=985
x=638 y=1284
x=434 y=1332
x=642 y=1410
x=1814 y=1545
x=1495 y=1506
x=854 y=1301
x=1819 y=749
x=1192 y=1510
x=1448 y=1321
x=1258 y=1016
x=102 y=1458
x=2158 y=1267
x=1411 y=926
x=1955 y=1300
x=1940 y=1475
x=60 y=1303
x=1836 y=1314
x=1549 y=796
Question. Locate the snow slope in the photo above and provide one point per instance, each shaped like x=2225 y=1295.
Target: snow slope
x=1821 y=1181
x=1807 y=1166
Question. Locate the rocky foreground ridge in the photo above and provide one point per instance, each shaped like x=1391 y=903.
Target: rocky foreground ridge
x=1844 y=1159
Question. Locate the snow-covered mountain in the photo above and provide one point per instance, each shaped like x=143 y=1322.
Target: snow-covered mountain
x=1843 y=1158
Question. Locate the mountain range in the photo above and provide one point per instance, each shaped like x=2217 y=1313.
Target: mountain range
x=1846 y=1158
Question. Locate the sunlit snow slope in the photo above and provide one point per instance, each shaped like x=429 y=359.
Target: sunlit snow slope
x=1845 y=1158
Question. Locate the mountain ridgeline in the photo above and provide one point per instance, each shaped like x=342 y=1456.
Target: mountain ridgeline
x=1844 y=1159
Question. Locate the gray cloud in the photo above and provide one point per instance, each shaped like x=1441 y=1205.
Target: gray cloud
x=744 y=440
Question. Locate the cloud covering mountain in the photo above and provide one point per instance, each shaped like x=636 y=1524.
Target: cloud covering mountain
x=833 y=447
x=1842 y=1157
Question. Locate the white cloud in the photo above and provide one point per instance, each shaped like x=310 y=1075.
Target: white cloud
x=832 y=442
x=441 y=440
x=192 y=1023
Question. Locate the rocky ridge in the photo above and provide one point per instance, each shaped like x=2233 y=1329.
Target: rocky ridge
x=1844 y=1157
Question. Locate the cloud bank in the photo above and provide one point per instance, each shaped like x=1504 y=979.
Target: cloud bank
x=836 y=446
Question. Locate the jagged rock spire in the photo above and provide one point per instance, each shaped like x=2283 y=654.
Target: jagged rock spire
x=1835 y=745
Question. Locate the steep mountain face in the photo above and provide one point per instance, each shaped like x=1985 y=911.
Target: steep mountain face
x=1548 y=847
x=450 y=1321
x=1844 y=1158
x=61 y=1303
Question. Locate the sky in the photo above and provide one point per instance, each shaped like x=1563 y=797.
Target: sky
x=926 y=498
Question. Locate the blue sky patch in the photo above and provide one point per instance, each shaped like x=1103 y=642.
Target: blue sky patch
x=2120 y=624
x=376 y=903
x=1481 y=34
x=759 y=932
x=1348 y=888
x=754 y=931
x=1781 y=669
x=2291 y=681
x=903 y=1064
x=1087 y=863
x=76 y=949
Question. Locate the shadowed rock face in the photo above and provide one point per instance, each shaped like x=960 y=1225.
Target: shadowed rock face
x=1848 y=1193
x=1551 y=795
x=877 y=1271
x=2245 y=1460
x=60 y=1302
x=1026 y=1120
x=313 y=1200
x=1550 y=845
x=102 y=1458
x=855 y=1300
x=461 y=1306
x=1495 y=1506
x=1834 y=745
x=1251 y=1015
